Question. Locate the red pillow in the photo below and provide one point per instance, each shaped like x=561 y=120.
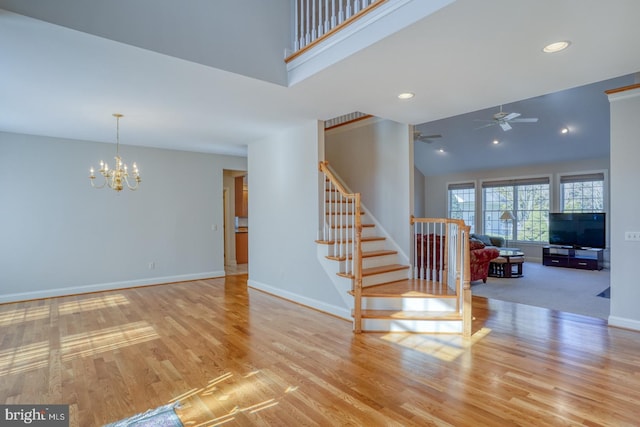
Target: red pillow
x=475 y=244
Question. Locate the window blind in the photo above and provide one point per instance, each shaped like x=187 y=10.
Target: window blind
x=462 y=186
x=516 y=182
x=566 y=179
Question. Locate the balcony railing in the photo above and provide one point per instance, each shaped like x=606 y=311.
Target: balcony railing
x=316 y=19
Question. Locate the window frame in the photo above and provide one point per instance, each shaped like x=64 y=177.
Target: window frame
x=464 y=185
x=582 y=177
x=515 y=228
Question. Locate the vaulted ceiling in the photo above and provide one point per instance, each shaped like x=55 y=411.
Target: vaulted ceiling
x=181 y=84
x=468 y=141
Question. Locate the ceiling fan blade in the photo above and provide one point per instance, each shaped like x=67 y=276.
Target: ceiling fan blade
x=505 y=126
x=525 y=120
x=511 y=116
x=485 y=126
x=418 y=136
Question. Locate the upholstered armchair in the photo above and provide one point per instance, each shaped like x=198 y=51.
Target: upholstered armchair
x=480 y=257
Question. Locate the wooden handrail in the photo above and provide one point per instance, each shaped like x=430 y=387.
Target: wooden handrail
x=356 y=243
x=334 y=30
x=324 y=168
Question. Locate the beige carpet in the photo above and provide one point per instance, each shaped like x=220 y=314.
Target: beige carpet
x=556 y=288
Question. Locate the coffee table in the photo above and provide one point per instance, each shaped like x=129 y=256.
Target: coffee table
x=507 y=264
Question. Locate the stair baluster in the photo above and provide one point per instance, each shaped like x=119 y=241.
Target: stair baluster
x=343 y=228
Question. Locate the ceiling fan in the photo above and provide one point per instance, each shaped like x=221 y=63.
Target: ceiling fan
x=418 y=136
x=504 y=120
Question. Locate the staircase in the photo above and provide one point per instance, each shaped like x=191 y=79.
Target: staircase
x=386 y=291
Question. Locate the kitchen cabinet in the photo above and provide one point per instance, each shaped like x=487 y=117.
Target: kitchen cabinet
x=242 y=247
x=241 y=196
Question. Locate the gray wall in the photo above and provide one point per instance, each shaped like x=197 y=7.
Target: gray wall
x=60 y=236
x=418 y=193
x=247 y=37
x=625 y=208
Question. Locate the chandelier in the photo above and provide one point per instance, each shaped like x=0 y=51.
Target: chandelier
x=117 y=177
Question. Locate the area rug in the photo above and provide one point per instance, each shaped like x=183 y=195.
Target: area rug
x=606 y=293
x=164 y=416
x=564 y=289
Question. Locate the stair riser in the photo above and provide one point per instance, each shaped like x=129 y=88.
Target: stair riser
x=410 y=304
x=375 y=245
x=391 y=276
x=421 y=326
x=369 y=262
x=379 y=261
x=334 y=234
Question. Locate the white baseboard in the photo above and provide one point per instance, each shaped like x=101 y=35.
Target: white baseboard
x=622 y=322
x=49 y=293
x=341 y=312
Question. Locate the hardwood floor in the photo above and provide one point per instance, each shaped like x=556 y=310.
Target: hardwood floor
x=239 y=357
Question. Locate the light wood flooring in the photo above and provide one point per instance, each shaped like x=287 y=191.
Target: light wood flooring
x=240 y=357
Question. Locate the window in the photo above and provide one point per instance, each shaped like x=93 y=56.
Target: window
x=462 y=203
x=582 y=193
x=528 y=201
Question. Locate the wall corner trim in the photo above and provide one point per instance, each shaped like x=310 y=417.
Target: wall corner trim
x=623 y=322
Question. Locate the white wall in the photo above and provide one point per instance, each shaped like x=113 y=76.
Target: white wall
x=60 y=236
x=625 y=205
x=375 y=158
x=283 y=213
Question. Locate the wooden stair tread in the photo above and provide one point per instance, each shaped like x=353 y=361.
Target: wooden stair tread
x=351 y=226
x=409 y=288
x=364 y=239
x=369 y=254
x=411 y=315
x=377 y=270
x=383 y=269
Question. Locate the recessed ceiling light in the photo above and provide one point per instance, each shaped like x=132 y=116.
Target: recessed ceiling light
x=556 y=47
x=441 y=150
x=496 y=142
x=406 y=95
x=564 y=130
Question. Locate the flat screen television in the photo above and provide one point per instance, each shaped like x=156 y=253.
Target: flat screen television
x=578 y=230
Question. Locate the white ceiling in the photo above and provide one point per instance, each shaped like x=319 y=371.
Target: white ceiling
x=468 y=56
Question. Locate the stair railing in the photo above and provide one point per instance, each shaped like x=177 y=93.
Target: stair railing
x=342 y=229
x=318 y=19
x=441 y=258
